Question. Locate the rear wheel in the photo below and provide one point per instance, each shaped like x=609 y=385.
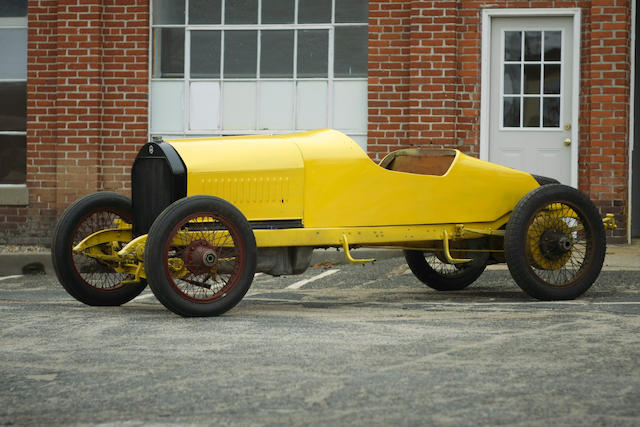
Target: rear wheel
x=88 y=279
x=429 y=268
x=555 y=243
x=200 y=256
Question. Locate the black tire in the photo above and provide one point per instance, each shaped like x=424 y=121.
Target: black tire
x=431 y=271
x=555 y=243
x=204 y=275
x=84 y=278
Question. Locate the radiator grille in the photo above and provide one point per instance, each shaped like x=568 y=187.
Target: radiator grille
x=158 y=179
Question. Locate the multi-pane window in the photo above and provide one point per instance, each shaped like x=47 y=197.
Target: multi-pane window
x=532 y=79
x=13 y=91
x=259 y=66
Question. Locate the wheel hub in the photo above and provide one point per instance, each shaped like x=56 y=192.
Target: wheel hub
x=554 y=244
x=550 y=242
x=199 y=257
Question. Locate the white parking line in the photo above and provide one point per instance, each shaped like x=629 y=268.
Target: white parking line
x=16 y=276
x=144 y=296
x=301 y=283
x=529 y=303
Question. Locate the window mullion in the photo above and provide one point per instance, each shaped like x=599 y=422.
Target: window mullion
x=221 y=98
x=522 y=78
x=333 y=11
x=542 y=71
x=258 y=53
x=330 y=106
x=295 y=72
x=330 y=79
x=186 y=124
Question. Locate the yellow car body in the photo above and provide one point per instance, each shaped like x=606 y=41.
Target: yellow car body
x=325 y=180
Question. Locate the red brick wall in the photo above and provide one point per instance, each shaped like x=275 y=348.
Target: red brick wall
x=605 y=99
x=389 y=48
x=87 y=106
x=87 y=94
x=429 y=93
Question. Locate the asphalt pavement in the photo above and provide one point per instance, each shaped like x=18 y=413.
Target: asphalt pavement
x=338 y=345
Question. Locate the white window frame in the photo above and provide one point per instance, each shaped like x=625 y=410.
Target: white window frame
x=14 y=194
x=296 y=27
x=540 y=95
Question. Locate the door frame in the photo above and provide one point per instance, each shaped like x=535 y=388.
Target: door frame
x=634 y=104
x=485 y=78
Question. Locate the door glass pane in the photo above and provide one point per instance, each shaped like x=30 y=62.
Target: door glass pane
x=205 y=54
x=239 y=106
x=276 y=105
x=168 y=12
x=511 y=113
x=204 y=11
x=13 y=51
x=276 y=53
x=313 y=53
x=350 y=50
x=532 y=78
x=13 y=108
x=512 y=45
x=240 y=50
x=311 y=105
x=531 y=113
x=278 y=11
x=350 y=105
x=551 y=112
x=241 y=12
x=13 y=159
x=552 y=45
x=512 y=79
x=168 y=46
x=352 y=11
x=314 y=11
x=532 y=45
x=552 y=79
x=167 y=99
x=13 y=8
x=204 y=105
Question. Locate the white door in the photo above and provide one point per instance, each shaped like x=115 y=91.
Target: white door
x=531 y=91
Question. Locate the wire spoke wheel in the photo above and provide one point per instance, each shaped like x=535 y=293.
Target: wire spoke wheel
x=207 y=263
x=93 y=280
x=444 y=268
x=558 y=245
x=430 y=269
x=93 y=272
x=555 y=243
x=200 y=256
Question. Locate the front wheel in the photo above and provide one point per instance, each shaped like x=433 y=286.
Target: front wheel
x=90 y=280
x=200 y=256
x=555 y=243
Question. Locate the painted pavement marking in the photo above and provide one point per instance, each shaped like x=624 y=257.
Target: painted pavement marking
x=301 y=283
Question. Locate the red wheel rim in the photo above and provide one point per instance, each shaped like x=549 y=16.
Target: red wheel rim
x=206 y=266
x=93 y=273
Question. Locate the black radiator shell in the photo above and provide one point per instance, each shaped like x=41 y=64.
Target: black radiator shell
x=158 y=178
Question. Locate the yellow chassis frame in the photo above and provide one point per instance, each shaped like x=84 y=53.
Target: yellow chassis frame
x=130 y=258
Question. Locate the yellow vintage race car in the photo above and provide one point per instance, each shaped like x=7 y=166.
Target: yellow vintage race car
x=207 y=214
